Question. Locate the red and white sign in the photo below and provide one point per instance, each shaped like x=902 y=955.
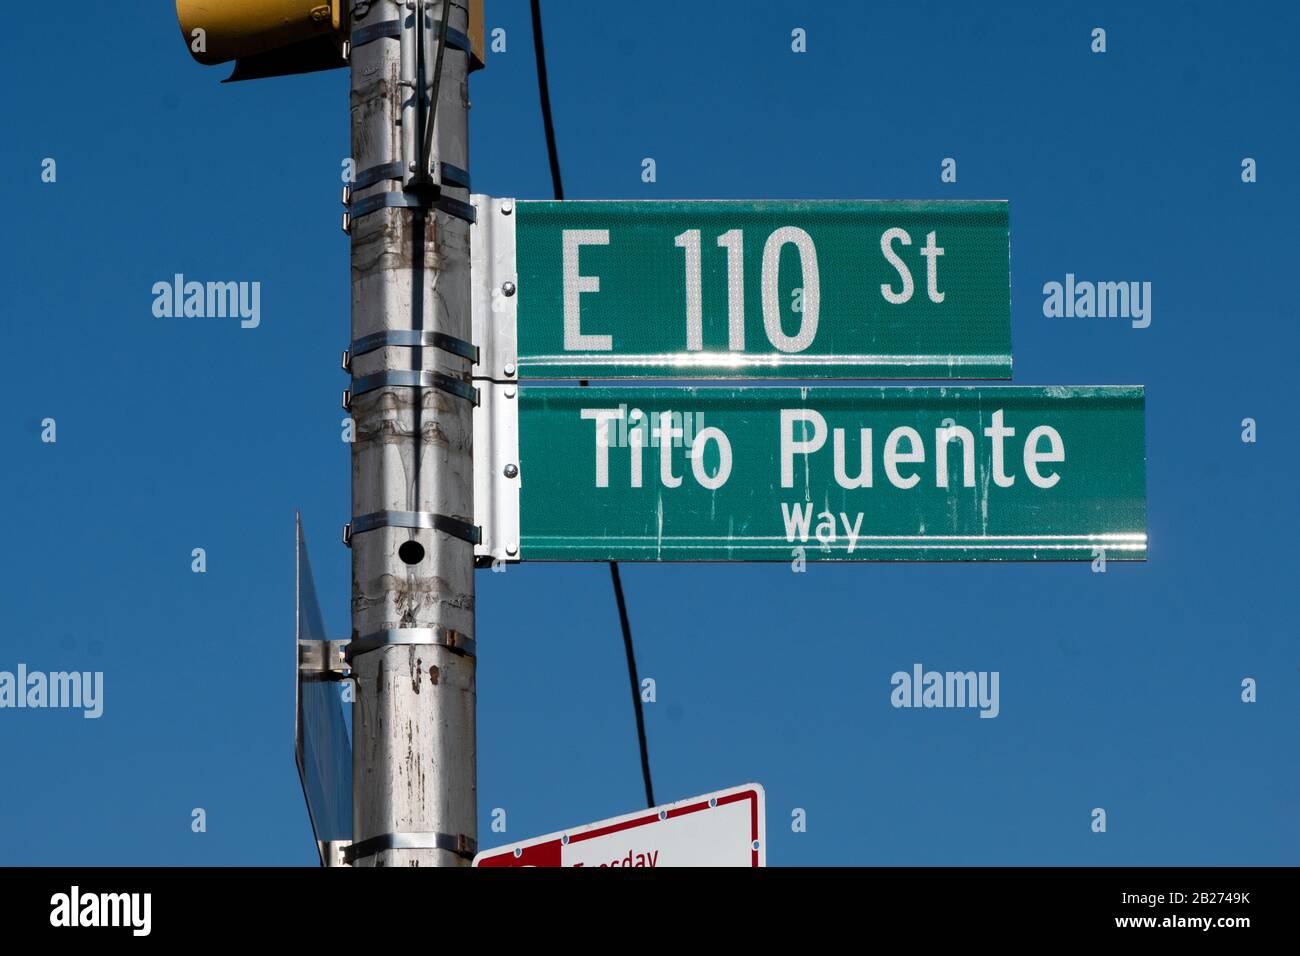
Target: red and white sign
x=726 y=828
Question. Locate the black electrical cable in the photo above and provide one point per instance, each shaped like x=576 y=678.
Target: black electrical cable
x=635 y=682
x=557 y=185
x=544 y=92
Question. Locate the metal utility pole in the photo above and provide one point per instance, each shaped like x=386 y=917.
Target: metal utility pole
x=412 y=534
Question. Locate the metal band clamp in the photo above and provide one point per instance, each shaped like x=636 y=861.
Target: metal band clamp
x=454 y=176
x=413 y=338
x=411 y=519
x=376 y=31
x=442 y=636
x=451 y=175
x=392 y=29
x=458 y=41
x=373 y=174
x=400 y=200
x=460 y=844
x=407 y=378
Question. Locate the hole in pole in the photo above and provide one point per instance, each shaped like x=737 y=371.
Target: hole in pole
x=412 y=552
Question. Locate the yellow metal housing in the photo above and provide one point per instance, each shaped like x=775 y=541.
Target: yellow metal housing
x=282 y=37
x=217 y=31
x=478 y=55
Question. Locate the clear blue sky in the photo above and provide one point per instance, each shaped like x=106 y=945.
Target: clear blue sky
x=1119 y=691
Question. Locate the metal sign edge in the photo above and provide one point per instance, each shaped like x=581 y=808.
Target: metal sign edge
x=760 y=797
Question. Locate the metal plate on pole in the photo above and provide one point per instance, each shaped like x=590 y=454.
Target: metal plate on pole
x=322 y=744
x=763 y=289
x=726 y=828
x=663 y=473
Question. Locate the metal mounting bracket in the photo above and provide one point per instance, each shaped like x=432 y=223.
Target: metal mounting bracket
x=494 y=308
x=497 y=473
x=494 y=281
x=327 y=660
x=333 y=852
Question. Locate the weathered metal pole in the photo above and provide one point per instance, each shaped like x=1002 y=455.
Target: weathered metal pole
x=414 y=784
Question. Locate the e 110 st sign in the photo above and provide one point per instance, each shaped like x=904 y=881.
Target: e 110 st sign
x=832 y=472
x=763 y=289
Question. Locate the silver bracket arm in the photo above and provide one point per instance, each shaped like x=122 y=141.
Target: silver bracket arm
x=333 y=852
x=325 y=659
x=494 y=278
x=498 y=471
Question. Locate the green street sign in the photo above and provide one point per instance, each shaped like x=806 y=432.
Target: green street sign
x=661 y=473
x=763 y=289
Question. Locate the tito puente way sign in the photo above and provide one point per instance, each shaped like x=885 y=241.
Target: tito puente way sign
x=751 y=474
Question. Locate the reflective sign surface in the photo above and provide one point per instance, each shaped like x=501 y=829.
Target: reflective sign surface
x=841 y=473
x=763 y=289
